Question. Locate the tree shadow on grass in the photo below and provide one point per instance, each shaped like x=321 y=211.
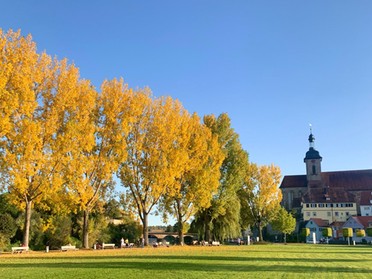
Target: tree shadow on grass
x=164 y=266
x=182 y=258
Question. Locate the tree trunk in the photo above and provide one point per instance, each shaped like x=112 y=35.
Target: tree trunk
x=145 y=229
x=208 y=235
x=86 y=229
x=180 y=232
x=27 y=224
x=260 y=232
x=285 y=238
x=180 y=223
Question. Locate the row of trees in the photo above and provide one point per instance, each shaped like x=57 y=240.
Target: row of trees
x=63 y=229
x=62 y=143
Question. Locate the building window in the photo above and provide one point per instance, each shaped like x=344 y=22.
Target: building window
x=307 y=205
x=314 y=170
x=314 y=214
x=328 y=214
x=308 y=214
x=347 y=213
x=336 y=213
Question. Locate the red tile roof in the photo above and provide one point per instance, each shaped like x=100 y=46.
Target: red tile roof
x=365 y=221
x=328 y=195
x=356 y=180
x=290 y=181
x=320 y=222
x=337 y=224
x=366 y=198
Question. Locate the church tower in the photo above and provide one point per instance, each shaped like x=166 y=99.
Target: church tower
x=312 y=161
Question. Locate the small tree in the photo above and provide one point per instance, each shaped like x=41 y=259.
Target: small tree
x=284 y=222
x=262 y=194
x=347 y=232
x=360 y=233
x=327 y=232
x=305 y=232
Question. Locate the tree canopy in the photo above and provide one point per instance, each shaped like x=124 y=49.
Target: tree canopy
x=261 y=195
x=64 y=144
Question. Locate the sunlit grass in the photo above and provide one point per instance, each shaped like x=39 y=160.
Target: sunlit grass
x=258 y=261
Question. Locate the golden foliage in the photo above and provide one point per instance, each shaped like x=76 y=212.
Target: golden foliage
x=262 y=194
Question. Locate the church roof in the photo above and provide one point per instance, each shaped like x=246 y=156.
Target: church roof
x=354 y=180
x=294 y=181
x=357 y=180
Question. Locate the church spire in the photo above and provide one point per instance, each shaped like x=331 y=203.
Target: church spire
x=312 y=160
x=311 y=137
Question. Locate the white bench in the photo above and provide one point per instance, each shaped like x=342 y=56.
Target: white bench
x=19 y=249
x=68 y=247
x=215 y=243
x=108 y=245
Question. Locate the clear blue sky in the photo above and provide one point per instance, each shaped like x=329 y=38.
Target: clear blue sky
x=273 y=66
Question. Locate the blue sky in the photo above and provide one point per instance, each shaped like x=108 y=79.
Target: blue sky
x=273 y=66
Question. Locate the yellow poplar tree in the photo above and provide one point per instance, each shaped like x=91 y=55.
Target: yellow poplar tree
x=28 y=129
x=155 y=157
x=96 y=144
x=200 y=175
x=261 y=195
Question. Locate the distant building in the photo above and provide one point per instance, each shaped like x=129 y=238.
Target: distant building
x=337 y=229
x=316 y=225
x=361 y=223
x=330 y=196
x=366 y=203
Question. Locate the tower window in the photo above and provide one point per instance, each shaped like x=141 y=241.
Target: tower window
x=314 y=170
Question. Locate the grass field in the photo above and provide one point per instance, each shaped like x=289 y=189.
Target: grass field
x=257 y=261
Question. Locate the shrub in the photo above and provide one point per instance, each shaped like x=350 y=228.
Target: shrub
x=347 y=232
x=8 y=228
x=327 y=232
x=360 y=233
x=305 y=232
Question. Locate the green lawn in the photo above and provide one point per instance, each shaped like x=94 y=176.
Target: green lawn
x=257 y=261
